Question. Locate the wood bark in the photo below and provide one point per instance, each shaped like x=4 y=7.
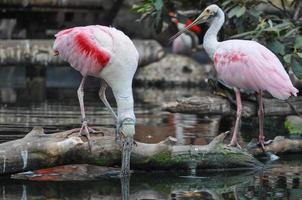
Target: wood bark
x=217 y=105
x=39 y=52
x=280 y=145
x=38 y=150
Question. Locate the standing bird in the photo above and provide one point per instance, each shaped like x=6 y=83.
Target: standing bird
x=243 y=65
x=108 y=54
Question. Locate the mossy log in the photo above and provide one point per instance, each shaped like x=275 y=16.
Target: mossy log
x=217 y=105
x=39 y=150
x=39 y=52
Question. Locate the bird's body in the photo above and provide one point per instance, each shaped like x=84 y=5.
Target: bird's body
x=248 y=65
x=243 y=65
x=105 y=53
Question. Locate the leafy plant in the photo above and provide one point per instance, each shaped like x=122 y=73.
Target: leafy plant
x=274 y=23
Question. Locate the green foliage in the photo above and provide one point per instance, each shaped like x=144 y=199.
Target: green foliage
x=153 y=9
x=293 y=127
x=273 y=23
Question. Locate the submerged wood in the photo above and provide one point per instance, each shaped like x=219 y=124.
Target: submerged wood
x=39 y=52
x=216 y=105
x=39 y=150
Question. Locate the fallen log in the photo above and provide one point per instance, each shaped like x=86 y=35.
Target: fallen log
x=216 y=105
x=38 y=150
x=39 y=52
x=280 y=145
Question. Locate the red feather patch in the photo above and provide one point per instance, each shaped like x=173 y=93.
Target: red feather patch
x=90 y=49
x=195 y=28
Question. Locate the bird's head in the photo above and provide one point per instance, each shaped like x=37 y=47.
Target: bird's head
x=206 y=16
x=127 y=127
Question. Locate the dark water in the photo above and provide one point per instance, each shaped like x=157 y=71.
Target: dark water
x=52 y=104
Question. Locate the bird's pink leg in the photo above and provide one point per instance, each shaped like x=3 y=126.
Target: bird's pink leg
x=84 y=129
x=261 y=117
x=102 y=95
x=234 y=141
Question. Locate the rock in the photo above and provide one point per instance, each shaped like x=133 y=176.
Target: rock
x=149 y=51
x=174 y=70
x=293 y=124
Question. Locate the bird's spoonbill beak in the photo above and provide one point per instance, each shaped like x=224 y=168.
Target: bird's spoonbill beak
x=199 y=20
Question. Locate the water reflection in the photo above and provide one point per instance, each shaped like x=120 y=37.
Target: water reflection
x=281 y=181
x=35 y=101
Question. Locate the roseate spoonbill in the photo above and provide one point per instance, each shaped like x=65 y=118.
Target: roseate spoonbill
x=108 y=54
x=186 y=42
x=243 y=65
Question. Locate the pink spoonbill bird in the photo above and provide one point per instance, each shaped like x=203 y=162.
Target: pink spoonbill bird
x=185 y=43
x=243 y=65
x=105 y=53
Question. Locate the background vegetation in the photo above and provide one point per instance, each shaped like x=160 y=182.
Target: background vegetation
x=275 y=23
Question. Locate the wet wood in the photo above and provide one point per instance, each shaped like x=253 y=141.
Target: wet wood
x=280 y=145
x=39 y=52
x=217 y=105
x=38 y=150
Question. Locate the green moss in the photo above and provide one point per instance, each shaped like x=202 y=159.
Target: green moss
x=293 y=128
x=164 y=159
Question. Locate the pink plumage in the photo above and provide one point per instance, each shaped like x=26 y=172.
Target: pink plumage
x=243 y=65
x=81 y=48
x=249 y=65
x=110 y=55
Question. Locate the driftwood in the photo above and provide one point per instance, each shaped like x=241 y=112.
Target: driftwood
x=217 y=105
x=39 y=52
x=38 y=150
x=280 y=145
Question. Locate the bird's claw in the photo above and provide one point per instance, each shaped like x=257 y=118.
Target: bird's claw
x=85 y=131
x=234 y=144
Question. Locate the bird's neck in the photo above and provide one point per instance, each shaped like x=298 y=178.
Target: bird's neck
x=210 y=42
x=125 y=105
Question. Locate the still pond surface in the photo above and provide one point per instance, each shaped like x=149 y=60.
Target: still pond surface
x=55 y=108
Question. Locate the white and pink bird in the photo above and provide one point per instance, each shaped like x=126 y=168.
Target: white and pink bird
x=243 y=65
x=108 y=54
x=185 y=43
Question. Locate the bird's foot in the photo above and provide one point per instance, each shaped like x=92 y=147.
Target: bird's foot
x=234 y=144
x=85 y=131
x=261 y=143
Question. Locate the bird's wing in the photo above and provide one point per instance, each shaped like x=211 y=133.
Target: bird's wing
x=249 y=65
x=87 y=49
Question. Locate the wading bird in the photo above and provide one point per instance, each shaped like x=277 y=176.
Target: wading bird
x=188 y=41
x=243 y=65
x=108 y=54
